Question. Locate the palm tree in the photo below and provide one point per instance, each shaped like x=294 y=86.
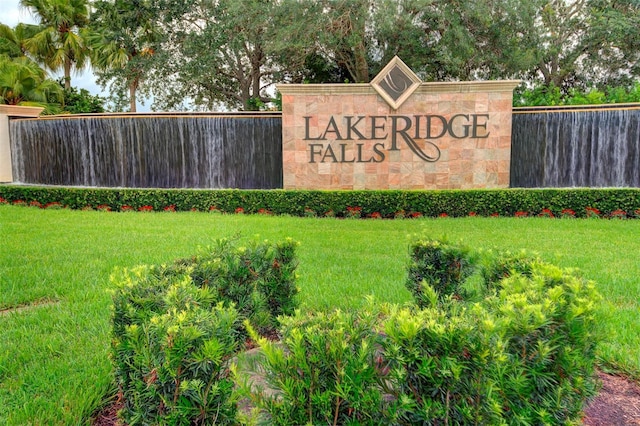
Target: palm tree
x=59 y=41
x=13 y=41
x=23 y=82
x=122 y=42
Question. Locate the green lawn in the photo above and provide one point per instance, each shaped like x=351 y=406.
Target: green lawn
x=54 y=367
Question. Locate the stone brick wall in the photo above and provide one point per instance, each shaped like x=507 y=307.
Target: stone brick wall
x=444 y=136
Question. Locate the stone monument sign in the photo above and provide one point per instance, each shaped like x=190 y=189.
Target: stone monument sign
x=397 y=133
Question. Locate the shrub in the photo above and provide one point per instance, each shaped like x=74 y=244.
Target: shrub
x=523 y=355
x=438 y=265
x=325 y=371
x=176 y=364
x=440 y=368
x=176 y=326
x=546 y=323
x=388 y=203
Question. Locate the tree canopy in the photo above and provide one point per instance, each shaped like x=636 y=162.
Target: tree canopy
x=212 y=54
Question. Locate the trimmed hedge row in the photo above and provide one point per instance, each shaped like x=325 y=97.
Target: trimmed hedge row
x=615 y=202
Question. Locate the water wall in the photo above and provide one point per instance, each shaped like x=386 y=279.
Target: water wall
x=576 y=147
x=239 y=150
x=551 y=147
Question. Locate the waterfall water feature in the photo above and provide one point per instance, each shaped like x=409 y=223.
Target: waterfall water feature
x=150 y=151
x=577 y=147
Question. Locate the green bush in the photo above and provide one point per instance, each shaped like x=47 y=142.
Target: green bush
x=437 y=265
x=441 y=368
x=552 y=95
x=173 y=368
x=326 y=370
x=546 y=325
x=584 y=202
x=523 y=355
x=176 y=326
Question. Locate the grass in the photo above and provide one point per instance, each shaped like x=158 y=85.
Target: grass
x=55 y=266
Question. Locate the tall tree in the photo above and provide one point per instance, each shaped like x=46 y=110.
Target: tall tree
x=217 y=51
x=59 y=42
x=123 y=40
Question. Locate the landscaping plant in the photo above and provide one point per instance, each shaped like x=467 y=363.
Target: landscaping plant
x=176 y=326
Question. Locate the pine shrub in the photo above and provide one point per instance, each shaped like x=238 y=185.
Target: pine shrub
x=438 y=265
x=326 y=370
x=176 y=326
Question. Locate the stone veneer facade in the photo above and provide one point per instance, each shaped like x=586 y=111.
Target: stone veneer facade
x=322 y=151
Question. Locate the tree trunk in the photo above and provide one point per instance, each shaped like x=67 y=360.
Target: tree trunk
x=362 y=67
x=133 y=86
x=67 y=73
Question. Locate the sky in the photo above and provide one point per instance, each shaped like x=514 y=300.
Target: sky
x=11 y=14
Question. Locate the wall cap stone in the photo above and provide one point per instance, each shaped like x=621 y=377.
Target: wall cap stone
x=20 y=111
x=424 y=88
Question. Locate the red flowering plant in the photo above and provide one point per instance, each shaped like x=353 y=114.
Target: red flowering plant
x=375 y=215
x=473 y=214
x=215 y=210
x=54 y=205
x=546 y=213
x=126 y=208
x=521 y=213
x=592 y=212
x=400 y=214
x=3 y=201
x=415 y=215
x=618 y=214
x=495 y=214
x=567 y=213
x=35 y=203
x=19 y=203
x=103 y=208
x=636 y=212
x=239 y=210
x=171 y=208
x=443 y=215
x=330 y=213
x=354 y=212
x=145 y=208
x=265 y=212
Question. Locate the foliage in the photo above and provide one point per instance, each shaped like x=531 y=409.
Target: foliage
x=216 y=53
x=388 y=203
x=13 y=41
x=437 y=266
x=171 y=367
x=324 y=371
x=82 y=102
x=552 y=95
x=23 y=82
x=176 y=326
x=59 y=42
x=123 y=39
x=524 y=355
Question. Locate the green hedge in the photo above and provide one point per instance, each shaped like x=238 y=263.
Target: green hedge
x=618 y=202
